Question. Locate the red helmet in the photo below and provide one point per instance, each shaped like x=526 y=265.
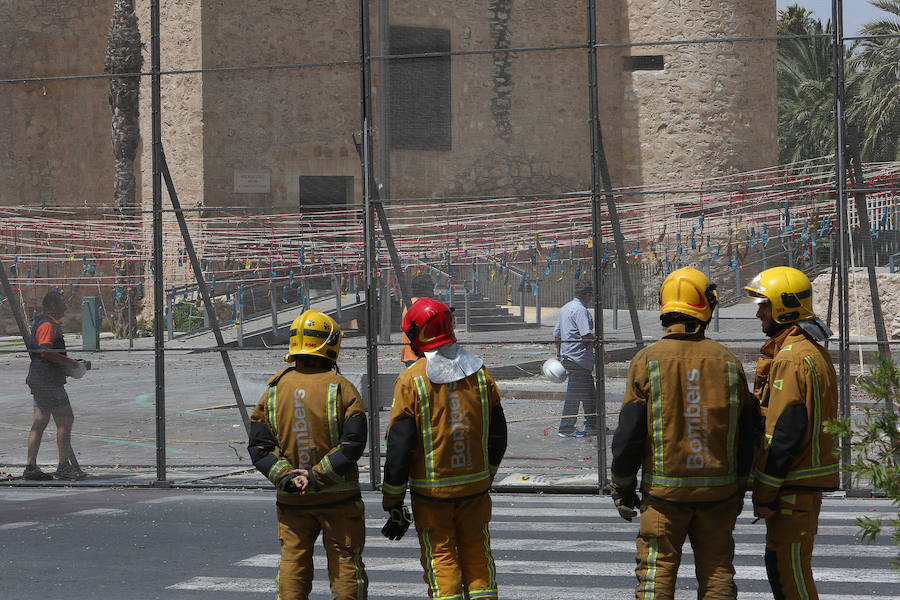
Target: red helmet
x=428 y=324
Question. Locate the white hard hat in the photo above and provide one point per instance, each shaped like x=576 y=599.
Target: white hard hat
x=554 y=371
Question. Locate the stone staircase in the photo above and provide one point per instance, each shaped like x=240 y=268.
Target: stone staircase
x=483 y=314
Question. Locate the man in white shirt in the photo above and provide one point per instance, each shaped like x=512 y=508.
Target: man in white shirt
x=574 y=335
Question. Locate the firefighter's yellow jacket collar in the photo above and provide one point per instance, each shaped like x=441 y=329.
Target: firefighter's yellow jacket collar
x=679 y=331
x=775 y=343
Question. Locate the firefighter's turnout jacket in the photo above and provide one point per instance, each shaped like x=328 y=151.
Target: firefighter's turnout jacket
x=310 y=419
x=797 y=387
x=687 y=420
x=444 y=441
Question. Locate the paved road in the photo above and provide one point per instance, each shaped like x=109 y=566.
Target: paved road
x=82 y=543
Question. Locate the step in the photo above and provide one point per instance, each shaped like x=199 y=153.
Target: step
x=501 y=326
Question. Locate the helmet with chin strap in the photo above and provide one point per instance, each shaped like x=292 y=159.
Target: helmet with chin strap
x=314 y=334
x=687 y=291
x=428 y=324
x=787 y=289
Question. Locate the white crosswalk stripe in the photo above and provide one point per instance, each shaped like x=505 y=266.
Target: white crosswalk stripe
x=568 y=547
x=605 y=569
x=510 y=592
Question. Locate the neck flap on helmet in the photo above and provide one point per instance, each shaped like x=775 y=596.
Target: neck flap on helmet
x=449 y=363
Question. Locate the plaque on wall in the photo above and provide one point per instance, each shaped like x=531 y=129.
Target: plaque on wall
x=246 y=182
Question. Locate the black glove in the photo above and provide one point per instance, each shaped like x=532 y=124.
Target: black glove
x=287 y=484
x=398 y=522
x=626 y=500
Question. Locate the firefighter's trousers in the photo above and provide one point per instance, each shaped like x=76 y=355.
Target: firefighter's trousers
x=456 y=547
x=661 y=536
x=343 y=528
x=790 y=534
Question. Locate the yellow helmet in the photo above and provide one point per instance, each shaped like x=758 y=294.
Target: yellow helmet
x=788 y=290
x=314 y=334
x=687 y=291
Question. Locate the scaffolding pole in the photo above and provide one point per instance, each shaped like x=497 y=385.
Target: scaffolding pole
x=865 y=228
x=841 y=210
x=370 y=270
x=158 y=296
x=14 y=307
x=596 y=161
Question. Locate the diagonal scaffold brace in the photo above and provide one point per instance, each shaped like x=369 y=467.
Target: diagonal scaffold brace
x=375 y=196
x=865 y=229
x=204 y=292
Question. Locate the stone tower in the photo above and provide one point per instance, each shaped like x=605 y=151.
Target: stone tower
x=712 y=109
x=515 y=122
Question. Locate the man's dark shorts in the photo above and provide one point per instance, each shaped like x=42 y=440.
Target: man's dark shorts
x=49 y=398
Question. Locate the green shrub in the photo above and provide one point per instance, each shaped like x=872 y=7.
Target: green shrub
x=875 y=443
x=187 y=317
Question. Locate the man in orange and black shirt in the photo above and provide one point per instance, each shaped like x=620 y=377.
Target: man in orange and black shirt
x=47 y=379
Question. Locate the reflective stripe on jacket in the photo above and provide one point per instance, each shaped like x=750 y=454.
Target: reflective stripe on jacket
x=451 y=426
x=303 y=412
x=688 y=420
x=797 y=385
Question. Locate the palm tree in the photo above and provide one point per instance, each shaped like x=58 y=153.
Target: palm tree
x=795 y=20
x=877 y=65
x=123 y=55
x=805 y=89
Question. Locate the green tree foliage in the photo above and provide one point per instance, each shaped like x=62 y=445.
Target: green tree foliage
x=877 y=64
x=795 y=20
x=805 y=71
x=805 y=89
x=875 y=440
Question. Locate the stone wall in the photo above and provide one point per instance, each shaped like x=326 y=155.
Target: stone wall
x=712 y=110
x=519 y=119
x=54 y=134
x=860 y=298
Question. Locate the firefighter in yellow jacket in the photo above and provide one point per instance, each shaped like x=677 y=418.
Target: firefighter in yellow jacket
x=445 y=440
x=306 y=434
x=797 y=386
x=689 y=423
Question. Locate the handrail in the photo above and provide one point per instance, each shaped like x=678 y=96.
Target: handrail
x=504 y=265
x=433 y=268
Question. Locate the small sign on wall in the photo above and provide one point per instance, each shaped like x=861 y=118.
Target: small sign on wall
x=246 y=182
